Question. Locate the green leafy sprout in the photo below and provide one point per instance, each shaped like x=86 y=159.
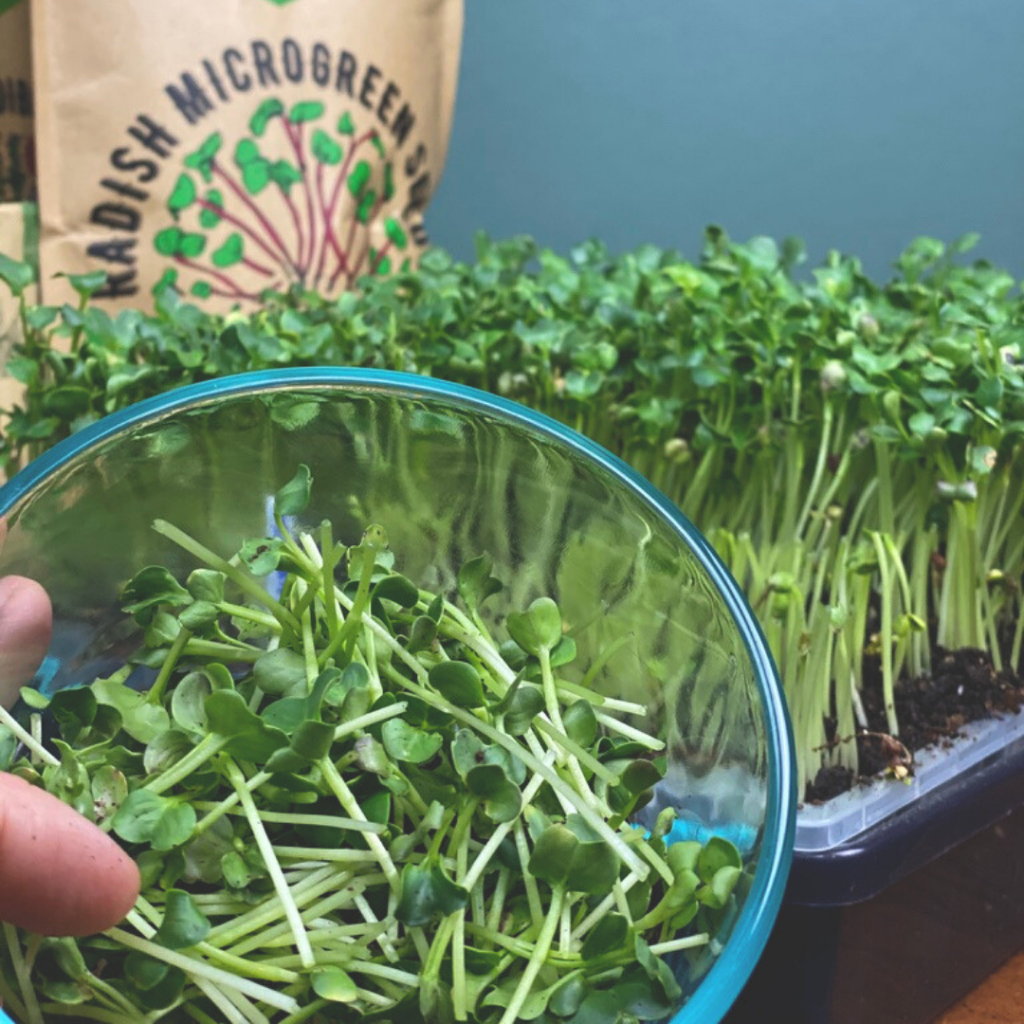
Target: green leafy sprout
x=293 y=204
x=345 y=804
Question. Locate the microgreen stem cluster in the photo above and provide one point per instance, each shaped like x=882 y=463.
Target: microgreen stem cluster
x=362 y=808
x=852 y=449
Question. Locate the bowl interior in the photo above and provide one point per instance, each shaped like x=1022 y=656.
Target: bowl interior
x=450 y=474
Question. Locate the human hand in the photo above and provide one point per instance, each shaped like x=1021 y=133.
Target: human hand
x=59 y=873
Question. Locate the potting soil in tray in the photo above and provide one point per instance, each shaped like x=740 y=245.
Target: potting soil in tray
x=964 y=687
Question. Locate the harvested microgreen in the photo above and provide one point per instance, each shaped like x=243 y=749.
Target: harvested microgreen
x=346 y=804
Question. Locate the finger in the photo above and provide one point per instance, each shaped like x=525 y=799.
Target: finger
x=59 y=874
x=26 y=621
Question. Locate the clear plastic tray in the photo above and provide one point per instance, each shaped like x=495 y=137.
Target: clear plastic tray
x=826 y=826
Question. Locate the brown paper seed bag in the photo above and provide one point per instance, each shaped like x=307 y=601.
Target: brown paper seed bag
x=17 y=157
x=231 y=146
x=19 y=232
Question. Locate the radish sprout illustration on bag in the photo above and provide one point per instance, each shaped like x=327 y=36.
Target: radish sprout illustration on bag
x=294 y=201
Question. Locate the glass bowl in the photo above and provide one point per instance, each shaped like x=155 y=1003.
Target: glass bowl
x=450 y=472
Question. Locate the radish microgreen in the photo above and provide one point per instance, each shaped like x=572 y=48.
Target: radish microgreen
x=795 y=419
x=358 y=817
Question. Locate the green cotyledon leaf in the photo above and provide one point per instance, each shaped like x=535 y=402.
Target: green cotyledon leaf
x=476 y=584
x=281 y=673
x=538 y=628
x=184 y=925
x=502 y=799
x=16 y=275
x=403 y=742
x=152 y=586
x=526 y=703
x=427 y=892
x=458 y=682
x=248 y=736
x=397 y=588
x=293 y=498
x=146 y=817
x=141 y=720
x=334 y=985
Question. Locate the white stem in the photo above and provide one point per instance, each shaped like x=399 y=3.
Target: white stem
x=21 y=972
x=38 y=749
x=532 y=892
x=198 y=969
x=621 y=902
x=36 y=728
x=603 y=908
x=459 y=994
x=372 y=718
x=554 y=709
x=207 y=748
x=248 y=1011
x=309 y=545
x=381 y=634
x=858 y=706
x=273 y=867
x=371 y=918
x=271 y=911
x=460 y=999
x=483 y=858
x=663 y=948
x=279 y=935
x=308 y=643
x=658 y=864
x=383 y=971
x=608 y=703
x=229 y=802
x=140 y=924
x=324 y=820
x=333 y=856
x=565 y=937
x=232 y=1015
x=478 y=905
x=326 y=931
x=245 y=968
x=627 y=730
x=536 y=962
x=351 y=805
x=584 y=757
x=374 y=998
x=297 y=872
x=376 y=689
x=498 y=900
x=242 y=577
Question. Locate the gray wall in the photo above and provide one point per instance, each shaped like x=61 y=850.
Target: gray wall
x=855 y=124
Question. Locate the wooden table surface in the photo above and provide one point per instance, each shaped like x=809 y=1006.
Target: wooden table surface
x=997 y=1000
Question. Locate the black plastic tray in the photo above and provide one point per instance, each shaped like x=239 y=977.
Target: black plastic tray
x=905 y=919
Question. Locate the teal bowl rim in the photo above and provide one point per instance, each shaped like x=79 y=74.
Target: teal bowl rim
x=724 y=982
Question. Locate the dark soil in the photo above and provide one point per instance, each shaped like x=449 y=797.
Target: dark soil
x=964 y=687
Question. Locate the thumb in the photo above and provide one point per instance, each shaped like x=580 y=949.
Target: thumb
x=25 y=627
x=59 y=873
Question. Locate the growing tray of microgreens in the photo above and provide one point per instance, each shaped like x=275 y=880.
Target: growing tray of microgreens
x=356 y=800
